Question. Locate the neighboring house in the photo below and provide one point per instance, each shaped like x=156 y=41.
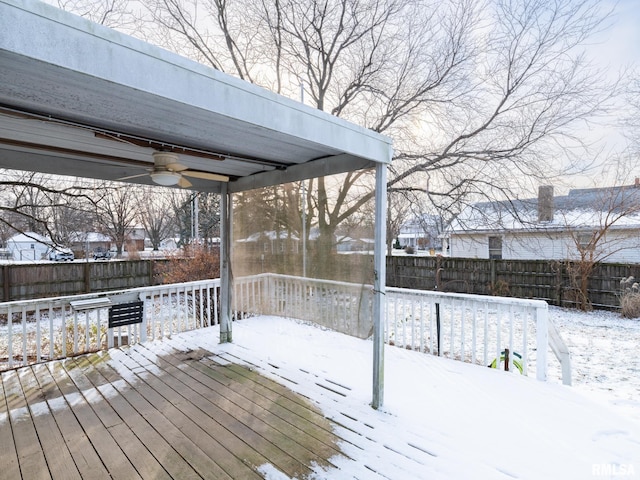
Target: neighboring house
x=420 y=233
x=28 y=246
x=552 y=227
x=82 y=242
x=135 y=238
x=269 y=242
x=348 y=244
x=170 y=244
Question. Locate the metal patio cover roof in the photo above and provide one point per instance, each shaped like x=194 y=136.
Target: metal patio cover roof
x=77 y=98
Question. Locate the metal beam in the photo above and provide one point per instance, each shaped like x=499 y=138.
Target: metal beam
x=314 y=169
x=379 y=281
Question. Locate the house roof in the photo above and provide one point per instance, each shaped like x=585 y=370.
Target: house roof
x=29 y=237
x=77 y=98
x=580 y=208
x=269 y=235
x=91 y=237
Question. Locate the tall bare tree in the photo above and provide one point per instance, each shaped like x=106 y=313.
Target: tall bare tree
x=481 y=97
x=111 y=13
x=117 y=212
x=157 y=216
x=595 y=224
x=632 y=119
x=51 y=207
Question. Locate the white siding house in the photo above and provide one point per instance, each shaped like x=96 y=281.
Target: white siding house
x=604 y=223
x=421 y=232
x=28 y=246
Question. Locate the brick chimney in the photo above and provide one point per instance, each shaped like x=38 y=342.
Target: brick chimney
x=545 y=203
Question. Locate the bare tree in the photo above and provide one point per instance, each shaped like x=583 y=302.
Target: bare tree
x=397 y=215
x=110 y=13
x=632 y=119
x=116 y=212
x=157 y=216
x=596 y=229
x=481 y=98
x=208 y=217
x=51 y=207
x=184 y=204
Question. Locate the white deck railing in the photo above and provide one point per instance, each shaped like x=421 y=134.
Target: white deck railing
x=32 y=331
x=476 y=329
x=341 y=306
x=472 y=328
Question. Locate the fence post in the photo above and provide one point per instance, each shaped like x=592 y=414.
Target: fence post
x=6 y=284
x=87 y=277
x=492 y=266
x=542 y=342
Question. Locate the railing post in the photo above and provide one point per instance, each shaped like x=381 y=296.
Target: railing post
x=542 y=342
x=561 y=351
x=143 y=325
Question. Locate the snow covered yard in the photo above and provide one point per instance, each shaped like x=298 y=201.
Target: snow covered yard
x=442 y=419
x=605 y=357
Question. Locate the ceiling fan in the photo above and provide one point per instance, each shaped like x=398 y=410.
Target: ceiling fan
x=167 y=172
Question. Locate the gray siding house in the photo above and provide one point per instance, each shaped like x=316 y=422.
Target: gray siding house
x=603 y=223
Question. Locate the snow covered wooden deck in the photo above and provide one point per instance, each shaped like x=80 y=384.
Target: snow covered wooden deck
x=156 y=411
x=189 y=407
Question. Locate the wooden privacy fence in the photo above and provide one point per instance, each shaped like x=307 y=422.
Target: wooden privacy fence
x=540 y=279
x=24 y=281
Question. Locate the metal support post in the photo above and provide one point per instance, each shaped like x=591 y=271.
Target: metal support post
x=226 y=280
x=379 y=280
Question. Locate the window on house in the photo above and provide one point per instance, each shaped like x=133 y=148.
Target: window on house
x=495 y=247
x=585 y=241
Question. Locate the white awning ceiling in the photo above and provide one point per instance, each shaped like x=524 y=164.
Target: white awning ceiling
x=80 y=99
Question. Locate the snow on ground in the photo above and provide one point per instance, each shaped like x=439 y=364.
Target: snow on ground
x=605 y=357
x=473 y=422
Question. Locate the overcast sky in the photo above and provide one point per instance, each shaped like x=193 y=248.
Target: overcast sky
x=619 y=45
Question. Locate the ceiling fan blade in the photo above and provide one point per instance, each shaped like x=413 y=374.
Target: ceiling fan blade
x=205 y=175
x=132 y=176
x=184 y=183
x=176 y=167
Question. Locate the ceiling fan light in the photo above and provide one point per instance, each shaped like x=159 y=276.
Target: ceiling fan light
x=166 y=179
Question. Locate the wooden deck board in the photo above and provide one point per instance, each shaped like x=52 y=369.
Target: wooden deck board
x=180 y=412
x=232 y=419
x=32 y=461
x=8 y=452
x=84 y=455
x=143 y=461
x=347 y=424
x=56 y=452
x=166 y=457
x=201 y=466
x=158 y=411
x=209 y=383
x=113 y=458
